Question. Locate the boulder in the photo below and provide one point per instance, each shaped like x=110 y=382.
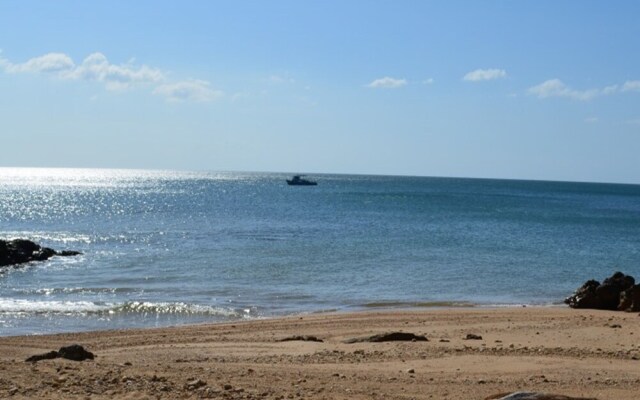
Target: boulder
x=585 y=296
x=630 y=299
x=610 y=290
x=19 y=251
x=603 y=296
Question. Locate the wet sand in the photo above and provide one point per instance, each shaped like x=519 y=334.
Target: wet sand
x=585 y=353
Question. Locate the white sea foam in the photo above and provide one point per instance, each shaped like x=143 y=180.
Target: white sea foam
x=61 y=237
x=146 y=307
x=31 y=307
x=77 y=290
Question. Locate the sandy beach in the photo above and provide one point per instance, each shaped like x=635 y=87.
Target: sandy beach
x=582 y=353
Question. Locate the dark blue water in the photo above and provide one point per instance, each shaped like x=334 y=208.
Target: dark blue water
x=165 y=248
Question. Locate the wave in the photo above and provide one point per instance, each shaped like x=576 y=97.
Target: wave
x=56 y=237
x=77 y=290
x=64 y=238
x=79 y=308
x=28 y=307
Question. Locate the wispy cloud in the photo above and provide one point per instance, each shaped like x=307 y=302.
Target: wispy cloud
x=429 y=81
x=556 y=88
x=97 y=68
x=592 y=120
x=190 y=90
x=485 y=75
x=387 y=83
x=634 y=121
x=280 y=79
x=631 y=86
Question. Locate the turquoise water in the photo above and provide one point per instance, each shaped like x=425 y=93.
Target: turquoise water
x=163 y=248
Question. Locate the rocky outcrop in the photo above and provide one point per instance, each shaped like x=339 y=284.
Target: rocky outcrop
x=618 y=292
x=19 y=251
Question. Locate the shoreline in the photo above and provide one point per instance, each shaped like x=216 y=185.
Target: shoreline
x=147 y=320
x=189 y=320
x=588 y=353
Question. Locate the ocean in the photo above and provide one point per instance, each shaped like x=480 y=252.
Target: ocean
x=167 y=248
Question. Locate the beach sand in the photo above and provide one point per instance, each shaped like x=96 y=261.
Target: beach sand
x=584 y=353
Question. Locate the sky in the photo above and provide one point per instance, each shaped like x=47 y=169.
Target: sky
x=539 y=89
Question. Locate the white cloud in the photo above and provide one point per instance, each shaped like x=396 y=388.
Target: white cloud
x=429 y=81
x=556 y=88
x=97 y=68
x=192 y=90
x=51 y=62
x=485 y=75
x=387 y=83
x=631 y=86
x=591 y=120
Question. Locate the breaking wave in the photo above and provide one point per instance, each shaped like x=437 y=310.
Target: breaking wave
x=70 y=308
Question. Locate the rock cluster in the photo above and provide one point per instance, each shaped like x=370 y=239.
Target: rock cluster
x=617 y=292
x=19 y=251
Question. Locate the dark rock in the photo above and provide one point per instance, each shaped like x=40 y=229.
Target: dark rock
x=609 y=291
x=472 y=336
x=605 y=296
x=19 y=251
x=46 y=356
x=389 y=337
x=305 y=338
x=630 y=299
x=585 y=296
x=67 y=253
x=43 y=254
x=74 y=352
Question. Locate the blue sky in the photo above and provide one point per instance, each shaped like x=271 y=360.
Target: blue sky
x=501 y=89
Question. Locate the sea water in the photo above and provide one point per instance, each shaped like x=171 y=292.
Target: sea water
x=164 y=248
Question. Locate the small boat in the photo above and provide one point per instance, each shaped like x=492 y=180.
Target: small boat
x=298 y=180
